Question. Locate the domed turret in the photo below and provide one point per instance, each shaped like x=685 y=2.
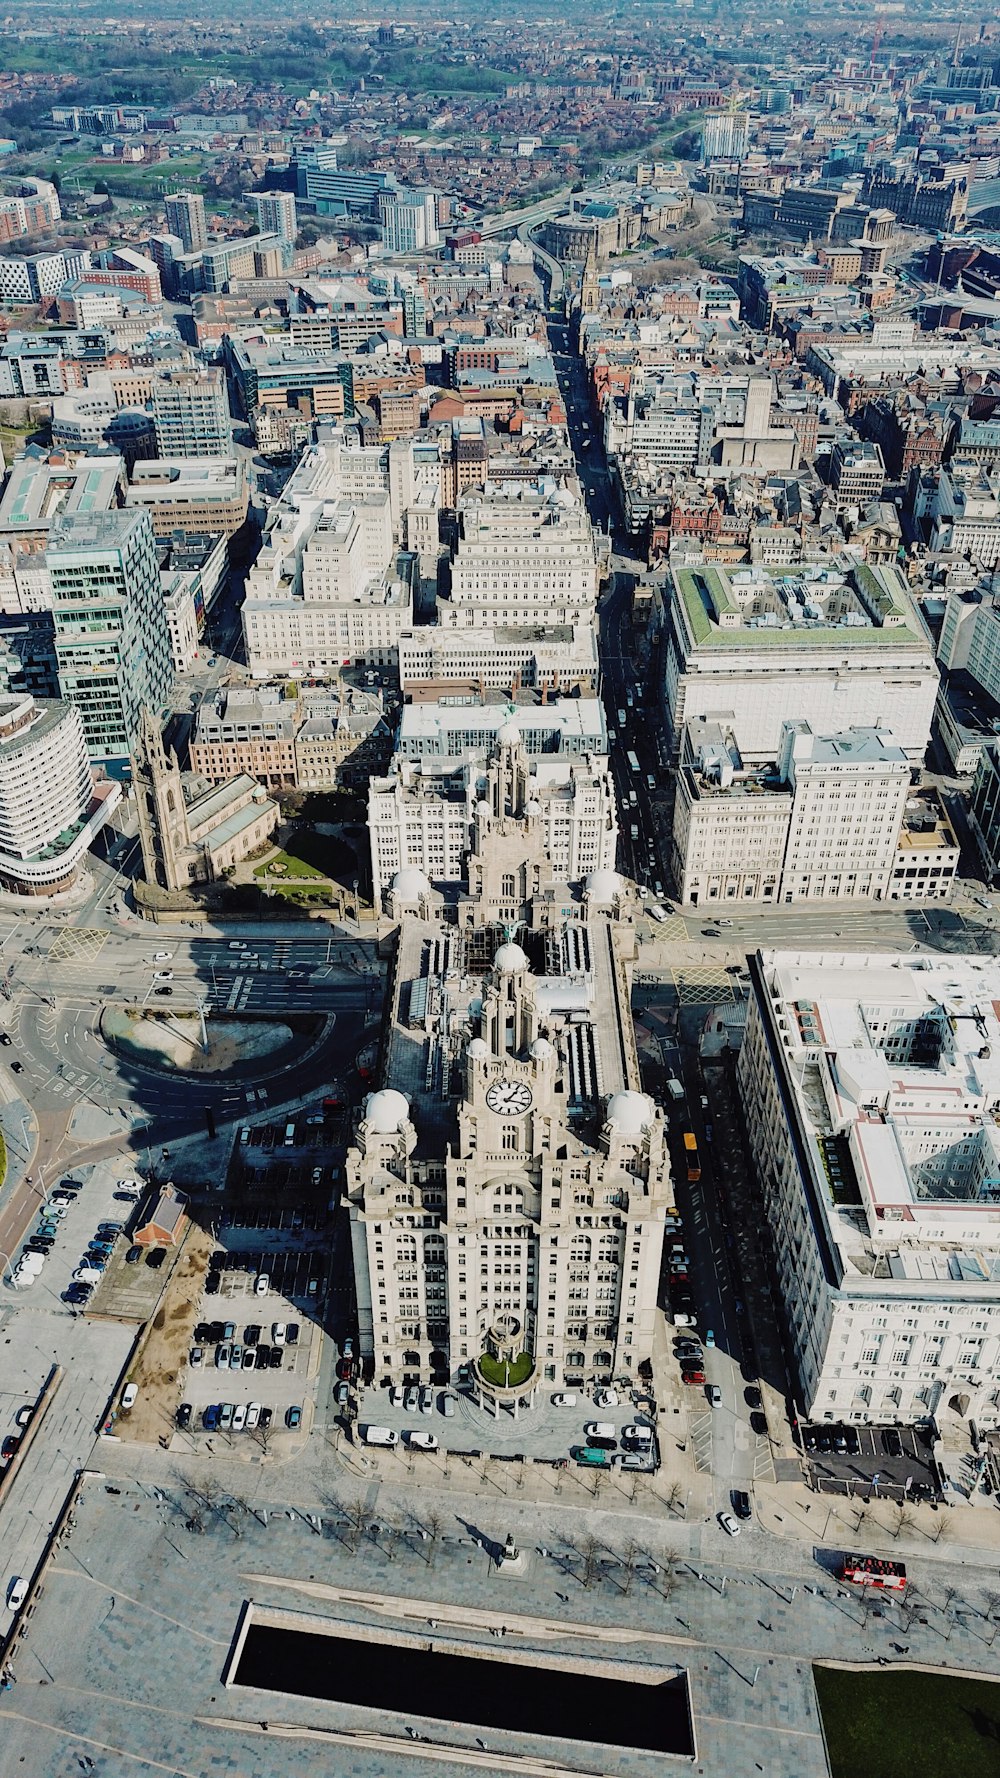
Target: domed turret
x=603 y=887
x=510 y=959
x=478 y=1049
x=541 y=1050
x=410 y=884
x=630 y=1113
x=509 y=735
x=386 y=1111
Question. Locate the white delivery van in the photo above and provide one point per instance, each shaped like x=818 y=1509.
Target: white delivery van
x=380 y=1435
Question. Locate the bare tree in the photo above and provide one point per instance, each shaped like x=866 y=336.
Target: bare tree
x=358 y=1519
x=675 y=1494
x=950 y=1593
x=902 y=1516
x=943 y=1529
x=992 y=1611
x=588 y=1550
x=629 y=1554
x=433 y=1525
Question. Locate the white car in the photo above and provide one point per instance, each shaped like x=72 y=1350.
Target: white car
x=253 y=1415
x=396 y=1396
x=564 y=1401
x=17 y=1592
x=162 y=956
x=130 y=1395
x=240 y=1417
x=163 y=975
x=262 y=1285
x=278 y=1333
x=729 y=1525
x=605 y=1398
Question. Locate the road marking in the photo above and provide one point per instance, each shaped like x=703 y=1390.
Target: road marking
x=78 y=941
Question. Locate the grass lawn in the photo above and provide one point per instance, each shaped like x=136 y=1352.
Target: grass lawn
x=518 y=1372
x=284 y=867
x=909 y=1725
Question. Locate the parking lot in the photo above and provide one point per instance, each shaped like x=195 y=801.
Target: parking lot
x=544 y=1433
x=894 y=1459
x=256 y=1338
x=81 y=1220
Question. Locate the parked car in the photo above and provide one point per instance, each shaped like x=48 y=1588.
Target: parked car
x=741 y=1503
x=293 y=1416
x=266 y=1416
x=426 y=1400
x=155 y=1258
x=448 y=1405
x=292 y=1333
x=249 y=1358
x=692 y=1377
x=262 y=1284
x=279 y=1333
x=729 y=1525
x=222 y=1358
x=183 y=1415
x=564 y=1400
x=196 y=1357
x=210 y=1418
x=253 y=1415
x=239 y=1416
x=274 y=1358
x=133 y=1256
x=422 y=1441
x=236 y=1358
x=605 y=1398
x=130 y=1395
x=17 y=1592
x=342 y=1394
x=226 y=1412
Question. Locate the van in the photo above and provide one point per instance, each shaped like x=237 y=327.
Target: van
x=622 y=719
x=245 y=1133
x=656 y=912
x=422 y=1441
x=634 y=831
x=289 y=1135
x=638 y=1435
x=379 y=1435
x=650 y=781
x=600 y=1429
x=236 y=945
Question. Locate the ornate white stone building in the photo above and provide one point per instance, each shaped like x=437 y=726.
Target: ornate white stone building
x=508 y=1181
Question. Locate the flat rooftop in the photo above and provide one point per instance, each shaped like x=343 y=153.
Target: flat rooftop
x=813 y=607
x=894 y=1063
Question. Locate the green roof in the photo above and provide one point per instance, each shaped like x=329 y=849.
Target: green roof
x=704 y=591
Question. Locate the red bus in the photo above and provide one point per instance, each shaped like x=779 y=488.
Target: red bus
x=872 y=1571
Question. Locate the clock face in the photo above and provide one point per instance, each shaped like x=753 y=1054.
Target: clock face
x=511 y=1097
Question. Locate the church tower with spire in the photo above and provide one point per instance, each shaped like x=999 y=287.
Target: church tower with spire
x=163 y=829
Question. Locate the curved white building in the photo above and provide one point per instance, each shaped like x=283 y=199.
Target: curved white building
x=50 y=805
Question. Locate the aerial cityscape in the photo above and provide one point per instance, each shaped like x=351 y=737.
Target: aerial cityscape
x=500 y=880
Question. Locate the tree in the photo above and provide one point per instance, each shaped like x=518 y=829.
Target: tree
x=588 y=1550
x=433 y=1525
x=992 y=1610
x=358 y=1518
x=629 y=1554
x=902 y=1517
x=950 y=1593
x=675 y=1494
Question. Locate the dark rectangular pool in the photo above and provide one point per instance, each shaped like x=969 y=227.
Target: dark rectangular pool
x=484 y=1693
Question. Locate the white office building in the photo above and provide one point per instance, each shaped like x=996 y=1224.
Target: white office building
x=558 y=657
x=191 y=413
x=275 y=212
x=51 y=805
x=341 y=594
x=525 y=554
x=422 y=812
x=507 y=1182
x=870 y=1085
x=840 y=645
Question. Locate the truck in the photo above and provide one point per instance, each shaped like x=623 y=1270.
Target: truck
x=674 y=1088
x=591 y=1455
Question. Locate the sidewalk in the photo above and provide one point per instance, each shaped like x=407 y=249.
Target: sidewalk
x=956 y=1533
x=20 y=1134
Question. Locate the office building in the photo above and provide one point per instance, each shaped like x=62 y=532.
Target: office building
x=832 y=818
x=199 y=495
x=561 y=657
x=51 y=804
x=840 y=645
x=275 y=212
x=343 y=595
x=191 y=414
x=112 y=641
x=525 y=1222
x=409 y=220
x=421 y=814
x=185 y=212
x=725 y=135
x=984 y=809
x=857 y=473
x=869 y=1085
x=524 y=554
